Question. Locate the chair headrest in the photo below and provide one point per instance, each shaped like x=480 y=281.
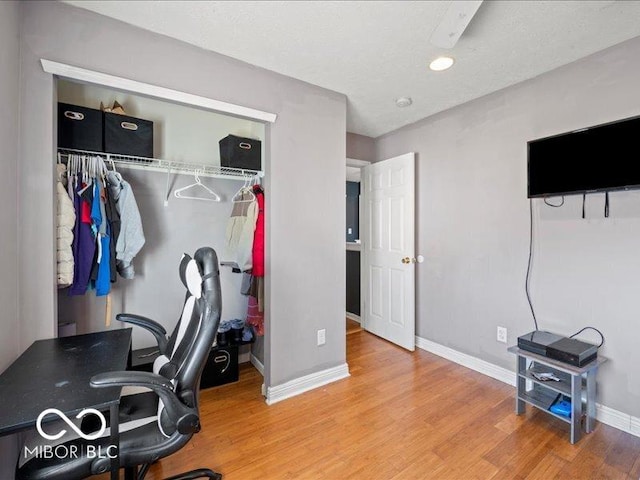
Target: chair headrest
x=207 y=261
x=191 y=276
x=197 y=273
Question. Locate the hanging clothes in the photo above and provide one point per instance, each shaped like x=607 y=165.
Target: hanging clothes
x=258 y=235
x=131 y=236
x=65 y=221
x=113 y=217
x=240 y=230
x=255 y=317
x=96 y=214
x=107 y=233
x=96 y=221
x=103 y=281
x=84 y=244
x=100 y=273
x=254 y=285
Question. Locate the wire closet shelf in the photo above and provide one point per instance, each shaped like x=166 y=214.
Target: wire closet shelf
x=167 y=166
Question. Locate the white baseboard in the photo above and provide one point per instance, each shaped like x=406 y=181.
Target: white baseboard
x=617 y=419
x=304 y=384
x=486 y=368
x=258 y=364
x=353 y=316
x=250 y=357
x=609 y=416
x=635 y=426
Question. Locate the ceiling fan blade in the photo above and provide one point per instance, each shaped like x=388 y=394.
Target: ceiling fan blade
x=453 y=24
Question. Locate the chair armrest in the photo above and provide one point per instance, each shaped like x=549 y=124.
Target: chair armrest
x=155 y=328
x=185 y=418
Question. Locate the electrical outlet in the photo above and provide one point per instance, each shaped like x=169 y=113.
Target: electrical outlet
x=322 y=337
x=501 y=334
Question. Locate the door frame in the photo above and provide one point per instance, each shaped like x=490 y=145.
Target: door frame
x=353 y=162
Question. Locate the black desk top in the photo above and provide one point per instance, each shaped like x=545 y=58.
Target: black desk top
x=55 y=373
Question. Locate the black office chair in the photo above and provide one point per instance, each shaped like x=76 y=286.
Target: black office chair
x=146 y=440
x=166 y=345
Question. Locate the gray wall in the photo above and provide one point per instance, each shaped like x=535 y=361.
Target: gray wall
x=473 y=222
x=305 y=173
x=360 y=147
x=9 y=117
x=36 y=195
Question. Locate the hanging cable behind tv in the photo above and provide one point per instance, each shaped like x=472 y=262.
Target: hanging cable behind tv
x=564 y=349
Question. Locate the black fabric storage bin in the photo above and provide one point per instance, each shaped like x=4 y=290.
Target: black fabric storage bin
x=221 y=367
x=239 y=152
x=79 y=128
x=128 y=135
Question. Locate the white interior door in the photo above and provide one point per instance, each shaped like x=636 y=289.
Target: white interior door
x=388 y=246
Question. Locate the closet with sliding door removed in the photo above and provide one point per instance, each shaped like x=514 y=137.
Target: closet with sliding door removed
x=185 y=201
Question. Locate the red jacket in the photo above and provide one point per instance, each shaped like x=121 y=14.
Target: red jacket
x=258 y=235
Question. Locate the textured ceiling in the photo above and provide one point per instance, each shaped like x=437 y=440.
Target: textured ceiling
x=374 y=52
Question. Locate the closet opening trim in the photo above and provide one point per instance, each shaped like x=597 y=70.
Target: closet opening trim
x=104 y=79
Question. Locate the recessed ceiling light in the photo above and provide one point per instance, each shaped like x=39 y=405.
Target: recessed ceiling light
x=403 y=101
x=441 y=63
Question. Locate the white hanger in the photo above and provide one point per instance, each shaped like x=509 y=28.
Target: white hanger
x=74 y=167
x=101 y=170
x=198 y=183
x=244 y=189
x=71 y=169
x=87 y=179
x=238 y=197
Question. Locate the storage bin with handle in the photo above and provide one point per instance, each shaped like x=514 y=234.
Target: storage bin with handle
x=240 y=152
x=128 y=135
x=79 y=128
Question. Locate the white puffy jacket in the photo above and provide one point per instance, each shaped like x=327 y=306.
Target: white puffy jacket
x=66 y=220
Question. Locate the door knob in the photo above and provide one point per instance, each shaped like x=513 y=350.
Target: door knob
x=419 y=259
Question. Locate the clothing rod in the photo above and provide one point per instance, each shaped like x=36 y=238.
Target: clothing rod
x=164 y=166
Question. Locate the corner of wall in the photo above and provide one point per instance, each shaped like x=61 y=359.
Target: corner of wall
x=19 y=156
x=360 y=147
x=306 y=383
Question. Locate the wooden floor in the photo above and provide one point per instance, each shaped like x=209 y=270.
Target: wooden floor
x=352 y=326
x=400 y=415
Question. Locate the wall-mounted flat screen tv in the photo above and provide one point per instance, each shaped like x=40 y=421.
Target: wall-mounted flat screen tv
x=601 y=158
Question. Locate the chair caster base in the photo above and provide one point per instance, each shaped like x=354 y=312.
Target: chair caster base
x=200 y=473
